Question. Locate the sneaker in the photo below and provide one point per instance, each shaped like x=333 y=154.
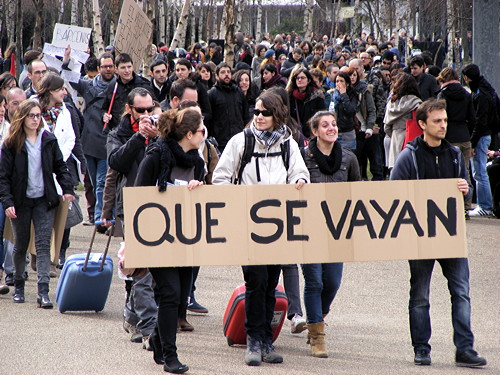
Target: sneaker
x=422 y=357
x=298 y=324
x=9 y=279
x=88 y=223
x=469 y=358
x=145 y=343
x=269 y=354
x=136 y=338
x=129 y=328
x=478 y=211
x=253 y=354
x=4 y=289
x=197 y=308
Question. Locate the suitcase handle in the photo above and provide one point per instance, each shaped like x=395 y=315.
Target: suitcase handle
x=110 y=234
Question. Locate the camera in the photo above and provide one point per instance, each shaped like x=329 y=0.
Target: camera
x=154 y=119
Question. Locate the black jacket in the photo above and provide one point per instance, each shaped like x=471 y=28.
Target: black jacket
x=427 y=86
x=345 y=110
x=461 y=115
x=163 y=93
x=289 y=64
x=122 y=92
x=302 y=111
x=229 y=112
x=14 y=173
x=482 y=100
x=126 y=150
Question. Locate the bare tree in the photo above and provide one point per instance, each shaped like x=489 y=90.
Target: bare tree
x=10 y=21
x=97 y=36
x=161 y=21
x=37 y=35
x=180 y=31
x=258 y=31
x=74 y=12
x=229 y=26
x=308 y=19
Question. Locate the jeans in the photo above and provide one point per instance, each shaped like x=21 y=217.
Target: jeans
x=322 y=281
x=456 y=271
x=141 y=308
x=351 y=144
x=292 y=289
x=260 y=299
x=36 y=210
x=370 y=147
x=97 y=170
x=465 y=148
x=483 y=191
x=172 y=284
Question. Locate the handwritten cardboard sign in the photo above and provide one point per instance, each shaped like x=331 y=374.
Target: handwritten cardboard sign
x=133 y=33
x=77 y=37
x=277 y=224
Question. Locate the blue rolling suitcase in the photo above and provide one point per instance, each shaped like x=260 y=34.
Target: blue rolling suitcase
x=85 y=280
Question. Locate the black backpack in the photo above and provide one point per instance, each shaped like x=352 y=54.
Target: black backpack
x=248 y=153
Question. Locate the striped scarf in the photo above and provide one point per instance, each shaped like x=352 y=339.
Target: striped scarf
x=269 y=138
x=51 y=114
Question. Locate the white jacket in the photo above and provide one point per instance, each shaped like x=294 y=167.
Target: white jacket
x=64 y=132
x=272 y=168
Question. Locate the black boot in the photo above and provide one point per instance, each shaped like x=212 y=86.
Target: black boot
x=18 y=296
x=43 y=296
x=155 y=343
x=62 y=259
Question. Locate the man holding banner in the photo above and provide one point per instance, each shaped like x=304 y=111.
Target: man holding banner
x=431 y=157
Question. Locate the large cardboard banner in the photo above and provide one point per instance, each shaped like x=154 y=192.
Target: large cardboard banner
x=77 y=37
x=133 y=33
x=277 y=224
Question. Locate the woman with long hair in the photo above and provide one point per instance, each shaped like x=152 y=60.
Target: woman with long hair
x=243 y=80
x=404 y=98
x=306 y=98
x=327 y=161
x=30 y=157
x=207 y=75
x=270 y=77
x=260 y=51
x=346 y=104
x=4 y=132
x=174 y=157
x=265 y=167
x=61 y=119
x=7 y=82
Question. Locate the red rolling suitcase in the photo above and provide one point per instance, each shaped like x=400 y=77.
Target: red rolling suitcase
x=234 y=317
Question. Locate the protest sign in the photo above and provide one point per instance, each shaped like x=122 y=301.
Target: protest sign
x=52 y=62
x=277 y=224
x=77 y=37
x=133 y=33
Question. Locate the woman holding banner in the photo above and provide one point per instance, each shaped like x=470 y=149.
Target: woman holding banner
x=266 y=165
x=327 y=161
x=173 y=159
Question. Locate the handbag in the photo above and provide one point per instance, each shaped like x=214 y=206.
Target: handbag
x=75 y=214
x=412 y=129
x=128 y=272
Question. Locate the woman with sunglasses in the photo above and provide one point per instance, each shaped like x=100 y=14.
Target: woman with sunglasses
x=327 y=161
x=61 y=119
x=305 y=98
x=173 y=159
x=30 y=157
x=266 y=167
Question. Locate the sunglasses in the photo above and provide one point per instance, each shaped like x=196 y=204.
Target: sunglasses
x=142 y=110
x=202 y=131
x=265 y=112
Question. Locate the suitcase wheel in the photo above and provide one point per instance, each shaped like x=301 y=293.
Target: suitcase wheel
x=229 y=341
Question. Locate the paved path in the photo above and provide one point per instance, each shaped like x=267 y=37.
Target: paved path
x=367 y=329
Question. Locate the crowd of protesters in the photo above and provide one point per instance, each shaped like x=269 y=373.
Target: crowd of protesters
x=342 y=107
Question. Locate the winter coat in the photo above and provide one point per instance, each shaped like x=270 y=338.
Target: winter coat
x=460 y=111
x=427 y=86
x=289 y=64
x=302 y=111
x=14 y=173
x=126 y=150
x=255 y=73
x=345 y=111
x=348 y=171
x=272 y=169
x=418 y=161
x=122 y=92
x=367 y=111
x=396 y=114
x=482 y=100
x=229 y=112
x=93 y=92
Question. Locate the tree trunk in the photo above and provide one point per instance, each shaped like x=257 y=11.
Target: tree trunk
x=74 y=12
x=450 y=26
x=10 y=18
x=229 y=26
x=37 y=34
x=162 y=37
x=97 y=36
x=19 y=37
x=240 y=9
x=201 y=22
x=258 y=33
x=180 y=31
x=308 y=19
x=192 y=23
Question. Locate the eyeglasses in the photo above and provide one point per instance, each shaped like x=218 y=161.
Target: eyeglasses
x=265 y=112
x=300 y=78
x=32 y=116
x=40 y=72
x=142 y=110
x=202 y=131
x=107 y=66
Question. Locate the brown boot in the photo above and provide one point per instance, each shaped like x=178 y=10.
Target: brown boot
x=316 y=338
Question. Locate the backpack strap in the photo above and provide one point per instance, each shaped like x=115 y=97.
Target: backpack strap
x=247 y=153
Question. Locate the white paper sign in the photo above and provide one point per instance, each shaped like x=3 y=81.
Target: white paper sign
x=69 y=76
x=50 y=49
x=79 y=56
x=52 y=62
x=76 y=37
x=75 y=66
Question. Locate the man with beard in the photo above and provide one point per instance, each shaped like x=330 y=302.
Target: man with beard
x=229 y=107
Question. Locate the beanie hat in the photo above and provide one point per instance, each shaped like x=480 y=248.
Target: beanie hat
x=388 y=55
x=269 y=53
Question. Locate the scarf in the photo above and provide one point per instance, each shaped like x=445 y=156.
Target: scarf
x=171 y=155
x=273 y=81
x=269 y=138
x=327 y=164
x=299 y=95
x=51 y=114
